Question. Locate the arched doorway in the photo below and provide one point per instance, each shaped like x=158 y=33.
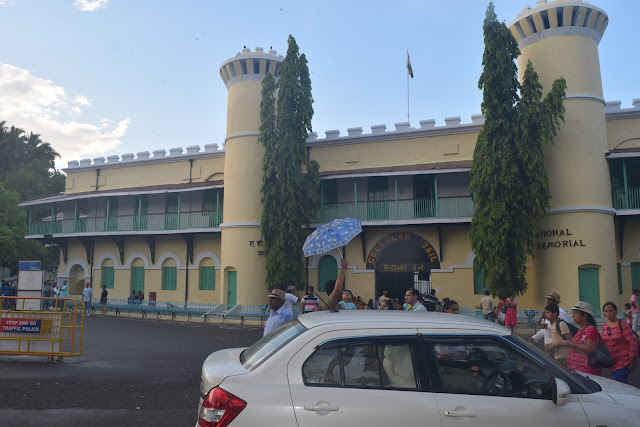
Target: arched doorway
x=77 y=277
x=400 y=259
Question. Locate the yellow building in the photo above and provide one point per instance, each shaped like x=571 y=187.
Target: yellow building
x=186 y=225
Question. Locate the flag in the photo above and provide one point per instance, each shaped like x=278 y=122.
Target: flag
x=409 y=69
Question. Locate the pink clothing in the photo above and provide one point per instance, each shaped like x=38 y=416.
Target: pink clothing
x=510 y=318
x=634 y=304
x=579 y=361
x=621 y=343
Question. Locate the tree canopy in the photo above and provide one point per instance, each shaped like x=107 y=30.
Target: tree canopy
x=290 y=183
x=26 y=171
x=509 y=181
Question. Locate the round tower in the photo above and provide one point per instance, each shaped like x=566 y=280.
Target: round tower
x=575 y=243
x=243 y=265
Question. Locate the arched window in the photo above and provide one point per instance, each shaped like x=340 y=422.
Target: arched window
x=479 y=286
x=169 y=275
x=107 y=273
x=137 y=275
x=327 y=270
x=207 y=274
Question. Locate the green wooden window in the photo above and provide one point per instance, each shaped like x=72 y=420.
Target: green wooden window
x=635 y=275
x=112 y=213
x=169 y=278
x=107 y=277
x=327 y=270
x=207 y=278
x=210 y=198
x=330 y=191
x=589 y=287
x=137 y=279
x=619 y=279
x=478 y=282
x=378 y=195
x=171 y=207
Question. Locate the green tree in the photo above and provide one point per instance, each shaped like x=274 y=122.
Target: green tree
x=509 y=181
x=289 y=195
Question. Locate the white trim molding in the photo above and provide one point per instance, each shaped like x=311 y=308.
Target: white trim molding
x=75 y=262
x=587 y=208
x=171 y=255
x=251 y=224
x=135 y=255
x=241 y=135
x=313 y=265
x=105 y=256
x=203 y=255
x=587 y=97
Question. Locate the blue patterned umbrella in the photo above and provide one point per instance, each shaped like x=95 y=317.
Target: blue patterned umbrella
x=331 y=235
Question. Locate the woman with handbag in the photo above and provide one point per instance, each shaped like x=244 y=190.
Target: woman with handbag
x=585 y=341
x=621 y=343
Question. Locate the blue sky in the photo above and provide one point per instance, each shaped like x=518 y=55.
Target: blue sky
x=104 y=77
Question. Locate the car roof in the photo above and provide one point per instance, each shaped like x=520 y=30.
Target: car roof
x=378 y=318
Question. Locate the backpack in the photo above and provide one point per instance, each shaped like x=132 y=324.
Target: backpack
x=573 y=329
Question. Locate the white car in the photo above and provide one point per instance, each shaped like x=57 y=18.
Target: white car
x=381 y=368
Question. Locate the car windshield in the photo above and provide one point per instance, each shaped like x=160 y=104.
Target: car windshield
x=270 y=344
x=586 y=382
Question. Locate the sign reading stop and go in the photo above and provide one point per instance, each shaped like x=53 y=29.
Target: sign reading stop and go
x=20 y=326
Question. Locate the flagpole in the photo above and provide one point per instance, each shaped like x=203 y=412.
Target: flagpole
x=408 y=90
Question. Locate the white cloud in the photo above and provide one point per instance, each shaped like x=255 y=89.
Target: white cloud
x=40 y=106
x=6 y=3
x=90 y=5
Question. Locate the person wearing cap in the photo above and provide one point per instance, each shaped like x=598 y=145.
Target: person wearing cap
x=584 y=341
x=278 y=314
x=554 y=298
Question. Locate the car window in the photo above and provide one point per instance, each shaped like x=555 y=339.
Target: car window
x=268 y=345
x=372 y=364
x=489 y=368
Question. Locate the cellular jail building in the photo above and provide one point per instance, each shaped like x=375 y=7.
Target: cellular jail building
x=185 y=224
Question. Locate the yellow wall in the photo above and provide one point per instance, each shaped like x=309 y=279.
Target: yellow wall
x=623 y=133
x=143 y=175
x=412 y=151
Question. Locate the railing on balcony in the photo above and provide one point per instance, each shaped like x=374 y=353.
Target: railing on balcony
x=443 y=207
x=149 y=222
x=630 y=200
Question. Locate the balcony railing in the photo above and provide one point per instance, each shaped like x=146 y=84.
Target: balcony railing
x=149 y=222
x=631 y=201
x=443 y=207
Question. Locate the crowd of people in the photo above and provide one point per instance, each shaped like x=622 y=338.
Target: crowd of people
x=568 y=343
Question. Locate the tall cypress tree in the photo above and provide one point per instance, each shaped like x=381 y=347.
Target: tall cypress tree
x=509 y=181
x=290 y=183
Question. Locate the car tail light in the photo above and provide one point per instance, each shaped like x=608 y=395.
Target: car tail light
x=219 y=408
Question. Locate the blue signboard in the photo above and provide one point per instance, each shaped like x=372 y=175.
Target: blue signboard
x=29 y=265
x=20 y=326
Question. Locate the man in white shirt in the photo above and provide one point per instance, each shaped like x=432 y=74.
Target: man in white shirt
x=278 y=314
x=87 y=292
x=292 y=297
x=412 y=303
x=488 y=306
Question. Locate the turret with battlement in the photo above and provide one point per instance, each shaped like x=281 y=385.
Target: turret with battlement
x=243 y=264
x=561 y=39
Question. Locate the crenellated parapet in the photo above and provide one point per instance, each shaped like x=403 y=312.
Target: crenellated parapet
x=548 y=19
x=247 y=65
x=613 y=110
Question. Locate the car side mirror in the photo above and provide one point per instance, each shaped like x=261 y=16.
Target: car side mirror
x=562 y=391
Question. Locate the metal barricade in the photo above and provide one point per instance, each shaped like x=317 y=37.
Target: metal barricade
x=41 y=327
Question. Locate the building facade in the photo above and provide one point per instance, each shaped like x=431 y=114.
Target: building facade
x=186 y=224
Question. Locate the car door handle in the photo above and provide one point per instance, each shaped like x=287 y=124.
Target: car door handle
x=461 y=414
x=321 y=408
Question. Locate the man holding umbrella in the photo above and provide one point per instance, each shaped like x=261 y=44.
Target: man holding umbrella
x=325 y=238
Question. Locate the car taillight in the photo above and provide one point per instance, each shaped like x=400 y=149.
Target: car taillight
x=219 y=408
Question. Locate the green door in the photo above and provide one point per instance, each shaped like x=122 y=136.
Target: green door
x=232 y=284
x=589 y=286
x=171 y=208
x=377 y=198
x=423 y=196
x=327 y=270
x=137 y=279
x=635 y=275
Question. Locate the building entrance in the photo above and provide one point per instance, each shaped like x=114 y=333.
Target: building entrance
x=398 y=260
